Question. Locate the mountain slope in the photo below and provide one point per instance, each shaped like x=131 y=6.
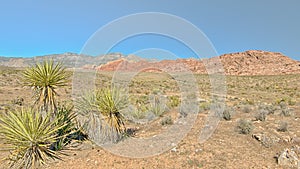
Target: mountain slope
x=252 y=62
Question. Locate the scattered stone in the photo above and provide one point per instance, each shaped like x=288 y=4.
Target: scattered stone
x=200 y=100
x=296 y=148
x=265 y=140
x=198 y=150
x=258 y=136
x=286 y=139
x=288 y=158
x=295 y=140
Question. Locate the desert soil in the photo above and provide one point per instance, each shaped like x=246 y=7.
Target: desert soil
x=226 y=148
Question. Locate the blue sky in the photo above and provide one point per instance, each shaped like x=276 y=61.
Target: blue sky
x=32 y=28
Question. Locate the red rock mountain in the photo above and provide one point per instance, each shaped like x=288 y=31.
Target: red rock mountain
x=252 y=62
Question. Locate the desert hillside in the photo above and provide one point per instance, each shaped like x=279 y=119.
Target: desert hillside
x=252 y=62
x=259 y=63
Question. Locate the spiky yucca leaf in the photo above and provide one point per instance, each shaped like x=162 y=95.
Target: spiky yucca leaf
x=27 y=135
x=45 y=78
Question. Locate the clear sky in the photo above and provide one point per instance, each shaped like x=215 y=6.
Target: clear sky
x=32 y=28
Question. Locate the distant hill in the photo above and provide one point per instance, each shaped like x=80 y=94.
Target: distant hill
x=70 y=60
x=252 y=62
x=255 y=62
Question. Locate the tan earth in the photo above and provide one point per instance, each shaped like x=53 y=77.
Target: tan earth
x=277 y=80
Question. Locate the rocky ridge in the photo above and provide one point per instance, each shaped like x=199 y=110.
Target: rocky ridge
x=253 y=62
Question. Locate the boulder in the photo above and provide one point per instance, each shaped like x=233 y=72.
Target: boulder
x=288 y=158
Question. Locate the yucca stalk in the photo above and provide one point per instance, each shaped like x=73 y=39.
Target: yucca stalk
x=28 y=135
x=45 y=78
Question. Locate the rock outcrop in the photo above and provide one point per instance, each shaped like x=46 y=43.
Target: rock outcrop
x=243 y=63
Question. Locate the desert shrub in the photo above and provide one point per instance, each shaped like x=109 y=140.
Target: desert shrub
x=271 y=109
x=261 y=115
x=244 y=126
x=166 y=121
x=45 y=78
x=291 y=102
x=18 y=101
x=156 y=91
x=174 y=101
x=140 y=100
x=204 y=106
x=282 y=127
x=130 y=132
x=139 y=112
x=139 y=108
x=246 y=108
x=227 y=113
x=218 y=109
x=28 y=136
x=248 y=102
x=286 y=101
x=283 y=105
x=286 y=112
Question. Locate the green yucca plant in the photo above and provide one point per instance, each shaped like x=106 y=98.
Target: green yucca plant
x=103 y=106
x=28 y=136
x=109 y=103
x=45 y=78
x=66 y=117
x=157 y=107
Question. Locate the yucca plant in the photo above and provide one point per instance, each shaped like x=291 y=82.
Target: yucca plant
x=109 y=103
x=66 y=117
x=101 y=109
x=45 y=78
x=28 y=136
x=157 y=106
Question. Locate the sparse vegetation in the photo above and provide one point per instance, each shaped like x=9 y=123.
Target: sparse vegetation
x=245 y=126
x=260 y=92
x=174 y=101
x=139 y=112
x=283 y=126
x=204 y=106
x=286 y=112
x=18 y=101
x=28 y=136
x=261 y=115
x=246 y=108
x=227 y=114
x=166 y=121
x=157 y=107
